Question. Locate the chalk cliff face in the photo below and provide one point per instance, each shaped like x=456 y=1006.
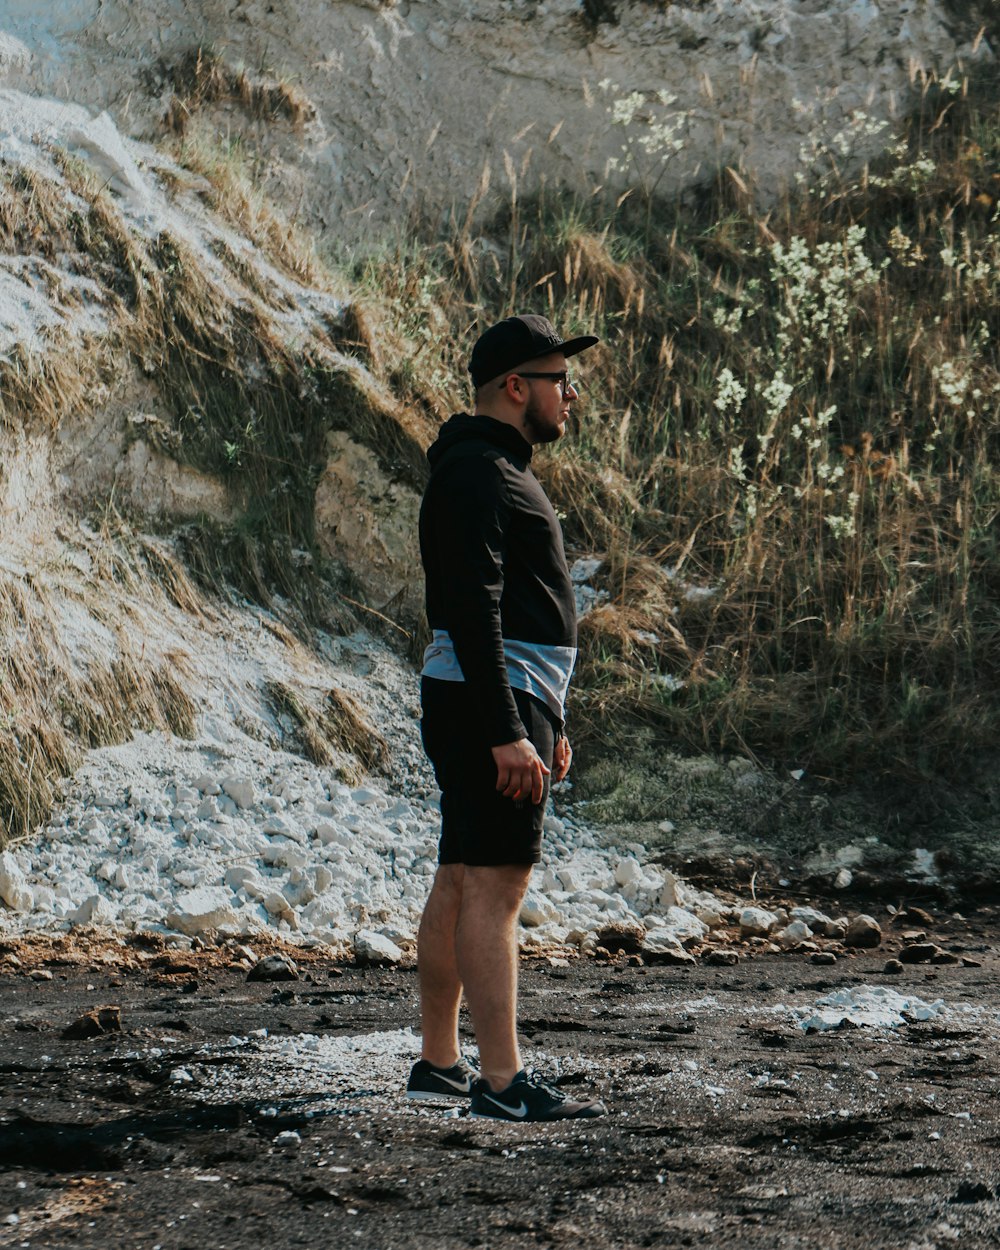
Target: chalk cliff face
x=173 y=359
x=398 y=108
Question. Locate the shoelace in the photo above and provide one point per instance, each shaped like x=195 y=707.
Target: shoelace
x=535 y=1078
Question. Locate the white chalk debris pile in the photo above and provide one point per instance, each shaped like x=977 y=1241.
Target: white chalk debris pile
x=236 y=839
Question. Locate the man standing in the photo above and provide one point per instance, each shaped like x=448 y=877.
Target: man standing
x=501 y=607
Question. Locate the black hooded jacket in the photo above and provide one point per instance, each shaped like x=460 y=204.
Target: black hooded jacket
x=493 y=557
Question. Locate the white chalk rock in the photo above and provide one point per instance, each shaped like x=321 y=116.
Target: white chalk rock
x=275 y=903
x=685 y=924
x=242 y=876
x=658 y=941
x=322 y=878
x=93 y=910
x=628 y=871
x=201 y=910
x=240 y=790
x=756 y=922
x=798 y=931
x=816 y=920
x=14 y=890
x=327 y=833
x=375 y=948
x=668 y=896
x=280 y=824
x=537 y=909
x=570 y=878
x=365 y=797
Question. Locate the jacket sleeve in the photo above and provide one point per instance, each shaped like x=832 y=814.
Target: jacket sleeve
x=469 y=528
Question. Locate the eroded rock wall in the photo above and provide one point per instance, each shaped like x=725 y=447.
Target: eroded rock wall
x=401 y=106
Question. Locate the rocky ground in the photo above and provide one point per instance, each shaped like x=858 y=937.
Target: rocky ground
x=157 y=1095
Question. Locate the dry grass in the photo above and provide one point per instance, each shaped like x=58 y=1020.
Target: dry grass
x=327 y=733
x=202 y=78
x=237 y=195
x=786 y=452
x=57 y=701
x=242 y=405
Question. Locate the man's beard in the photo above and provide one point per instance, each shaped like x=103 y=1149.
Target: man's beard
x=542 y=433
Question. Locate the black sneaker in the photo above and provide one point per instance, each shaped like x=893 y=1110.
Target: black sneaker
x=430 y=1084
x=530 y=1097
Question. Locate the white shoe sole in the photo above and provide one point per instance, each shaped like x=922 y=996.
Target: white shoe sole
x=420 y=1095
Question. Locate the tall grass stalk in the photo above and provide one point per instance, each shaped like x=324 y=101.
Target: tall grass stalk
x=787 y=451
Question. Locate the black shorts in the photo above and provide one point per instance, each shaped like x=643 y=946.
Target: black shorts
x=479 y=826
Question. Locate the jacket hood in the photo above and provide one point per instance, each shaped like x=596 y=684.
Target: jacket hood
x=465 y=428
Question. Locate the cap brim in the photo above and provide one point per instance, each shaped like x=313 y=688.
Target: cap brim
x=573 y=347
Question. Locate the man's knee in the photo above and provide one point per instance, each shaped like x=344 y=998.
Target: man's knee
x=448 y=880
x=502 y=885
x=445 y=897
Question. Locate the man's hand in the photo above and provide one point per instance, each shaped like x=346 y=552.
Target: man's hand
x=562 y=757
x=520 y=770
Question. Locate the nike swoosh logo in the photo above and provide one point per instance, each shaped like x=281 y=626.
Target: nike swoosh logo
x=520 y=1111
x=463 y=1086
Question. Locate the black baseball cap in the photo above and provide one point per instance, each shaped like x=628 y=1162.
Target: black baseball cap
x=516 y=340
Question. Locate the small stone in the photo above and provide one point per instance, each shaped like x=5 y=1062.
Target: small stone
x=628 y=871
x=659 y=940
x=536 y=909
x=917 y=915
x=794 y=935
x=863 y=931
x=288 y=1140
x=622 y=935
x=919 y=953
x=201 y=910
x=274 y=968
x=823 y=958
x=843 y=879
x=969 y=962
x=94 y=1023
x=275 y=903
x=943 y=958
x=240 y=790
x=371 y=948
x=756 y=922
x=720 y=958
x=207 y=784
x=672 y=957
x=915 y=935
x=40 y=974
x=685 y=924
x=93 y=910
x=818 y=921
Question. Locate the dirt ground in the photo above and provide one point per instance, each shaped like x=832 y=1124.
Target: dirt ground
x=180 y=1125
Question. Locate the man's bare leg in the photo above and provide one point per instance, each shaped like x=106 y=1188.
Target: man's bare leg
x=486 y=945
x=440 y=985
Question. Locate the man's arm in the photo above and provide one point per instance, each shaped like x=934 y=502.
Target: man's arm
x=468 y=528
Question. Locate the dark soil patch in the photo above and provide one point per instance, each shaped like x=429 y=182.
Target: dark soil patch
x=729 y=1124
